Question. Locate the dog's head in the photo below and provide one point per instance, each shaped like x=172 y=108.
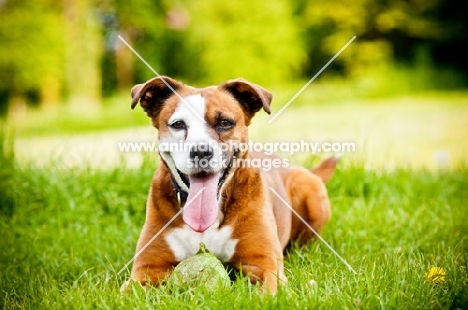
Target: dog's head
x=198 y=133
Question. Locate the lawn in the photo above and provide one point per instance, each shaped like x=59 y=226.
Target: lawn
x=67 y=232
x=419 y=131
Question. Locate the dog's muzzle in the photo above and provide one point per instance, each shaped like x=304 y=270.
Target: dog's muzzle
x=201 y=151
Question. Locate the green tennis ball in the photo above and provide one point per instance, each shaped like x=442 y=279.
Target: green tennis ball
x=202 y=269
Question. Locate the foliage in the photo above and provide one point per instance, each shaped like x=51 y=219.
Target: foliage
x=142 y=26
x=211 y=41
x=387 y=31
x=33 y=43
x=252 y=39
x=58 y=50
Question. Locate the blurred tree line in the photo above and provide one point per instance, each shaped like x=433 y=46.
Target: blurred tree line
x=68 y=50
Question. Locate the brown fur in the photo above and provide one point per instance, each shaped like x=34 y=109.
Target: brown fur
x=261 y=222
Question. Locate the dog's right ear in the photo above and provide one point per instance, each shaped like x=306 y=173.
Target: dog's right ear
x=154 y=93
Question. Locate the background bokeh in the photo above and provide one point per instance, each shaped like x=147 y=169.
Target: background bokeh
x=72 y=204
x=54 y=51
x=64 y=70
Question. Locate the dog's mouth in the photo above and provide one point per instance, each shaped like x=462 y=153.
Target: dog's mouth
x=201 y=207
x=201 y=175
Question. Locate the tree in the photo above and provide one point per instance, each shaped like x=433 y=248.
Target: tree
x=31 y=54
x=252 y=39
x=386 y=31
x=83 y=50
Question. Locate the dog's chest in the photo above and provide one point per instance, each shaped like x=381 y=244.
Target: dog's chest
x=184 y=242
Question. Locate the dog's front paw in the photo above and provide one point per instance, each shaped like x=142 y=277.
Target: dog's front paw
x=268 y=279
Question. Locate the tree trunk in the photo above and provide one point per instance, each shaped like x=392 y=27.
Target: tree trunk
x=83 y=53
x=50 y=92
x=124 y=58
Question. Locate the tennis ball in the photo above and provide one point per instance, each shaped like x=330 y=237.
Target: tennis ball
x=436 y=275
x=202 y=269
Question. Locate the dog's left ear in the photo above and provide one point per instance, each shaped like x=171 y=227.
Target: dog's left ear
x=154 y=93
x=251 y=96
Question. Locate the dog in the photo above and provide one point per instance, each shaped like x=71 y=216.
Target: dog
x=231 y=208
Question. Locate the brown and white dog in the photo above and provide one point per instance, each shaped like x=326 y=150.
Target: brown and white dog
x=229 y=207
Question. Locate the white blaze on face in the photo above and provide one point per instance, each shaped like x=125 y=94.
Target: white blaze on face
x=196 y=128
x=202 y=212
x=195 y=132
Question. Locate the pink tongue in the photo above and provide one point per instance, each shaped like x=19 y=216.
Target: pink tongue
x=202 y=211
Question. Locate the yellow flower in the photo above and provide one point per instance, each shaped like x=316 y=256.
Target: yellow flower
x=436 y=275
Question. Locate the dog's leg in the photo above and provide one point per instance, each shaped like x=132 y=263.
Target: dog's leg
x=260 y=266
x=155 y=262
x=309 y=199
x=147 y=274
x=144 y=275
x=267 y=278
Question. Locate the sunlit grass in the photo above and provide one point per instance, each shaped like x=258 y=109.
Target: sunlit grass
x=416 y=131
x=65 y=234
x=115 y=112
x=419 y=131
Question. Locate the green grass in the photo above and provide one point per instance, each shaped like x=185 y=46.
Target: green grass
x=419 y=131
x=66 y=233
x=115 y=112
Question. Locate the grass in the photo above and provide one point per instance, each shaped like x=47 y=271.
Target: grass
x=66 y=233
x=393 y=132
x=417 y=131
x=115 y=112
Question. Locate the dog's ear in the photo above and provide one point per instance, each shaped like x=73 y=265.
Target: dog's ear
x=251 y=96
x=154 y=93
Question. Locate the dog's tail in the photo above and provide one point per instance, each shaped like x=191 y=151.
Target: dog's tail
x=326 y=168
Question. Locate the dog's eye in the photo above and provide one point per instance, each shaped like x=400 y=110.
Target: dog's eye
x=178 y=125
x=225 y=124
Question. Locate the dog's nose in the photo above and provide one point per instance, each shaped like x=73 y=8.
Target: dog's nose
x=201 y=151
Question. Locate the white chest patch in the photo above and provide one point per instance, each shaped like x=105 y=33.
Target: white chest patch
x=184 y=242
